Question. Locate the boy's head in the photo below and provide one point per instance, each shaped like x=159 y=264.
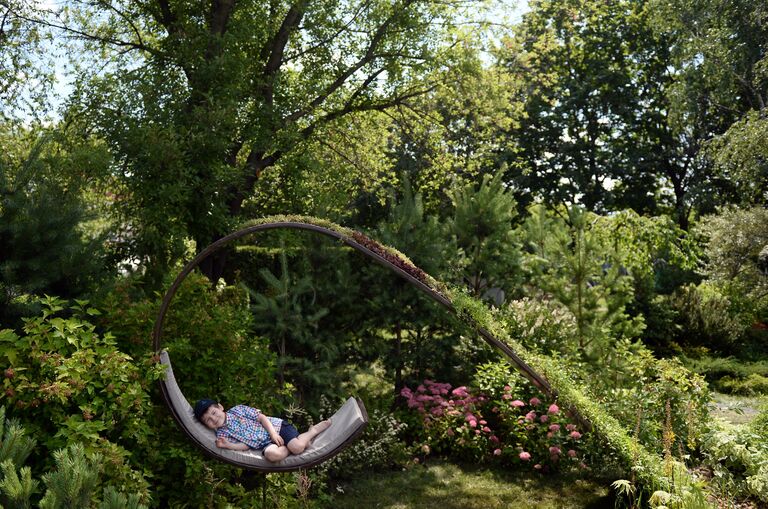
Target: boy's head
x=210 y=413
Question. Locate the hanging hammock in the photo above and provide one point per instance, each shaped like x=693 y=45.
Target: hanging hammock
x=346 y=424
x=352 y=415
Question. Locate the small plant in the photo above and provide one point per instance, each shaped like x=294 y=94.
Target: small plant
x=495 y=426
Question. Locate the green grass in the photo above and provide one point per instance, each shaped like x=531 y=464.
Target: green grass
x=444 y=485
x=736 y=409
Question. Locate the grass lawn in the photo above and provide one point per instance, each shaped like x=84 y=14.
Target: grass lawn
x=444 y=485
x=736 y=409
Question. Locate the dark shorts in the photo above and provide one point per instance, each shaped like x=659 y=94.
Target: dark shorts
x=288 y=432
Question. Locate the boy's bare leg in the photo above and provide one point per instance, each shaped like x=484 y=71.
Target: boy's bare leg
x=298 y=444
x=274 y=452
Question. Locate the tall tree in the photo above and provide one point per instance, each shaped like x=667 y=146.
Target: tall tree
x=198 y=98
x=720 y=61
x=603 y=123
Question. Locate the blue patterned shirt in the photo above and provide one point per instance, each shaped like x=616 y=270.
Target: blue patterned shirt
x=243 y=425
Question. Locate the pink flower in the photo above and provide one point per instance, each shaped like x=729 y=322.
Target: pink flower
x=406 y=393
x=534 y=401
x=486 y=429
x=570 y=427
x=449 y=432
x=525 y=456
x=575 y=435
x=537 y=466
x=477 y=432
x=571 y=453
x=517 y=403
x=494 y=439
x=554 y=427
x=554 y=450
x=507 y=388
x=495 y=410
x=483 y=422
x=506 y=396
x=582 y=465
x=470 y=417
x=473 y=423
x=460 y=392
x=544 y=418
x=497 y=452
x=550 y=434
x=553 y=409
x=530 y=416
x=420 y=388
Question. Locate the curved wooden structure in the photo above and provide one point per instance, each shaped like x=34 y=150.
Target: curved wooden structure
x=367 y=248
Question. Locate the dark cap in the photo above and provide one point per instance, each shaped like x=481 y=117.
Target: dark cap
x=201 y=406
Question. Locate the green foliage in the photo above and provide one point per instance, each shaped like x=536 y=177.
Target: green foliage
x=43 y=214
x=542 y=325
x=286 y=314
x=17 y=487
x=734 y=240
x=573 y=263
x=68 y=384
x=705 y=319
x=739 y=458
x=482 y=223
x=75 y=480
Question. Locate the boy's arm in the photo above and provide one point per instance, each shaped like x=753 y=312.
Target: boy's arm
x=264 y=420
x=235 y=446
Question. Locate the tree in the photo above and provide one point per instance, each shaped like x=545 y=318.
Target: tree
x=198 y=99
x=569 y=261
x=482 y=223
x=720 y=87
x=604 y=123
x=48 y=244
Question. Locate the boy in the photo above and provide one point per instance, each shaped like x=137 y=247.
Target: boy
x=241 y=428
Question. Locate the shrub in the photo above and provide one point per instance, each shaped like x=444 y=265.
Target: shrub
x=494 y=426
x=704 y=318
x=739 y=458
x=67 y=384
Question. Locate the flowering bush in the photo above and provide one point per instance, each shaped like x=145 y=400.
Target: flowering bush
x=472 y=425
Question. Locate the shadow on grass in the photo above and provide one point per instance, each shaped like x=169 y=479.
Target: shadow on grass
x=445 y=485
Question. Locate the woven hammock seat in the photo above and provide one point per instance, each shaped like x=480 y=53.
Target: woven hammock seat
x=346 y=424
x=350 y=420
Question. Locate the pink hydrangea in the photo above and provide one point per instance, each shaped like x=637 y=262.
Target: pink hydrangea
x=550 y=434
x=497 y=452
x=507 y=388
x=406 y=393
x=486 y=429
x=483 y=422
x=525 y=456
x=554 y=427
x=494 y=439
x=517 y=403
x=537 y=466
x=460 y=392
x=544 y=418
x=534 y=401
x=506 y=396
x=571 y=453
x=530 y=416
x=570 y=427
x=473 y=423
x=553 y=409
x=575 y=435
x=554 y=450
x=449 y=432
